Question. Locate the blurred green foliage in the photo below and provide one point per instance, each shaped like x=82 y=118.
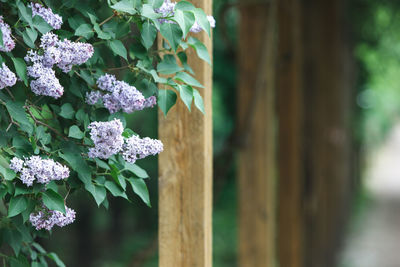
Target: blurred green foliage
x=377 y=36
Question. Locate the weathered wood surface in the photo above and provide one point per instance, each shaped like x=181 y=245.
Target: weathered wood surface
x=256 y=115
x=185 y=174
x=290 y=162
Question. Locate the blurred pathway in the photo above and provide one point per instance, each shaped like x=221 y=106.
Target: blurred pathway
x=374 y=239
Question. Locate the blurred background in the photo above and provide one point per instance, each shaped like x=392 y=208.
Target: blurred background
x=126 y=234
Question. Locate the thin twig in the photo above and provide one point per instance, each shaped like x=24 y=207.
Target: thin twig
x=46 y=125
x=9 y=92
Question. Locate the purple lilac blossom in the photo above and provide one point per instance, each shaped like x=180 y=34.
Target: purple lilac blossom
x=107 y=138
x=64 y=54
x=46 y=219
x=197 y=28
x=37 y=169
x=136 y=148
x=167 y=10
x=121 y=95
x=93 y=97
x=54 y=20
x=7 y=77
x=8 y=42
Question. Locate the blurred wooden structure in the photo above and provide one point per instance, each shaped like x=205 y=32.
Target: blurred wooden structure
x=295 y=165
x=298 y=156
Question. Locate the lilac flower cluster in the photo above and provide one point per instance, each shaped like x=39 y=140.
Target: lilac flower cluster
x=167 y=10
x=41 y=170
x=46 y=219
x=197 y=28
x=108 y=141
x=7 y=77
x=136 y=148
x=120 y=95
x=64 y=54
x=107 y=138
x=54 y=20
x=8 y=42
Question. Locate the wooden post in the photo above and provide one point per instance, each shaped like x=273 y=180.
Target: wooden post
x=290 y=135
x=256 y=115
x=185 y=173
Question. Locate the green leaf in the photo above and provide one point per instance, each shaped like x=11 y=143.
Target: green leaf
x=198 y=101
x=1 y=38
x=200 y=48
x=8 y=174
x=17 y=205
x=185 y=20
x=20 y=68
x=84 y=30
x=115 y=190
x=149 y=33
x=183 y=58
x=148 y=12
x=136 y=170
x=184 y=6
x=98 y=192
x=14 y=239
x=186 y=78
x=53 y=201
x=26 y=13
x=202 y=20
x=72 y=154
x=140 y=189
x=186 y=93
x=168 y=65
x=67 y=111
x=29 y=36
x=125 y=6
x=41 y=25
x=156 y=3
x=166 y=99
x=118 y=48
x=75 y=132
x=17 y=112
x=87 y=76
x=173 y=33
x=100 y=33
x=56 y=259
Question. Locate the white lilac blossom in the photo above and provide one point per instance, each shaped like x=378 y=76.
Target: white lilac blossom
x=137 y=148
x=8 y=42
x=120 y=96
x=7 y=77
x=167 y=10
x=107 y=138
x=54 y=20
x=46 y=219
x=37 y=169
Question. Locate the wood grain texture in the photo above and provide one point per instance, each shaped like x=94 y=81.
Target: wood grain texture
x=185 y=173
x=256 y=114
x=290 y=135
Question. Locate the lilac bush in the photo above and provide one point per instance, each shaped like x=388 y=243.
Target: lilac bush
x=69 y=76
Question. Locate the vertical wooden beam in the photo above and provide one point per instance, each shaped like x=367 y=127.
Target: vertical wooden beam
x=256 y=115
x=185 y=173
x=290 y=136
